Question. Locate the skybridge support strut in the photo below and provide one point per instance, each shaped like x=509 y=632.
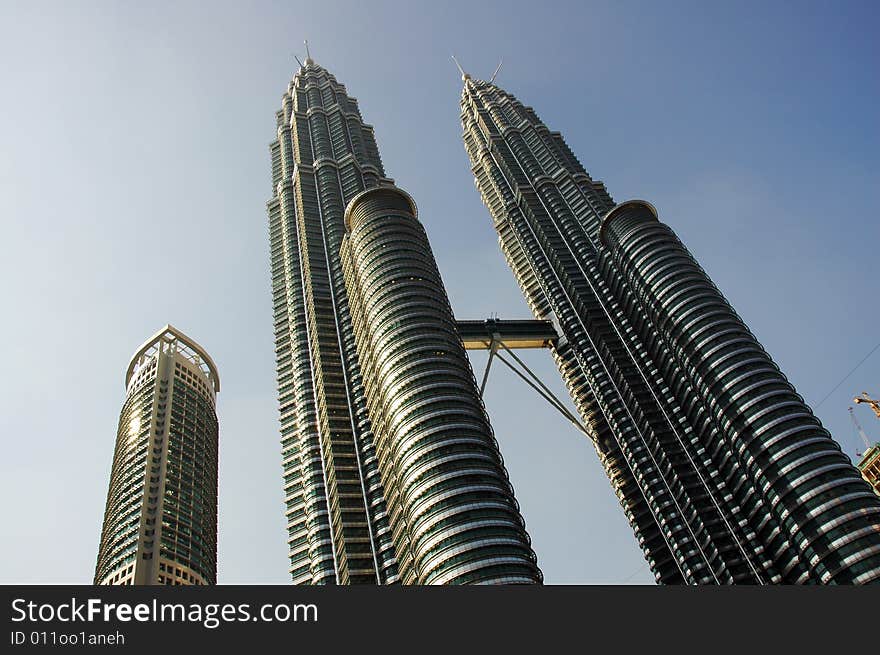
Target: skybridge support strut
x=494 y=335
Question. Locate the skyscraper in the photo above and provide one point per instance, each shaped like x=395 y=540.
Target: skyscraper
x=371 y=505
x=160 y=523
x=869 y=465
x=723 y=471
x=869 y=462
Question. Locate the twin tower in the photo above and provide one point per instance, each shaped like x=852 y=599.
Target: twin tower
x=392 y=473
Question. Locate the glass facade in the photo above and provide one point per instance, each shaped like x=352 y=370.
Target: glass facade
x=337 y=522
x=724 y=473
x=160 y=522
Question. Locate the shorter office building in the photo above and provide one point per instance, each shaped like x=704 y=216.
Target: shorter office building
x=160 y=522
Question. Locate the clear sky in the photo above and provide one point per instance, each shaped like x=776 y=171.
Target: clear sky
x=134 y=171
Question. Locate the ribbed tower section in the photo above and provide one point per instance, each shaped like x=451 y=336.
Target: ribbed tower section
x=453 y=515
x=323 y=156
x=700 y=509
x=160 y=522
x=809 y=485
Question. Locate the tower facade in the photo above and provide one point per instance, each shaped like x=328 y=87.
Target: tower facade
x=352 y=518
x=160 y=522
x=723 y=471
x=451 y=507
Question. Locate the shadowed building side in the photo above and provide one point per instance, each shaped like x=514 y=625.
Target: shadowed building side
x=453 y=514
x=723 y=471
x=546 y=209
x=827 y=510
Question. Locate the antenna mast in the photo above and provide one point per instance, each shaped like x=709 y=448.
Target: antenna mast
x=464 y=76
x=492 y=79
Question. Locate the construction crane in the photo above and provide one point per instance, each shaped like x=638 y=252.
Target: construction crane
x=859 y=429
x=865 y=398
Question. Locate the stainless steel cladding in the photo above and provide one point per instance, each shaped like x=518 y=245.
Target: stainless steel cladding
x=453 y=514
x=807 y=485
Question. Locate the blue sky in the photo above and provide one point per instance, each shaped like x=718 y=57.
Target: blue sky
x=134 y=172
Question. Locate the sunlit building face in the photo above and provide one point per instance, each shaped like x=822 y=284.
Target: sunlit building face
x=160 y=522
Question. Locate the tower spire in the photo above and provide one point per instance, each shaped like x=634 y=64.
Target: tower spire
x=464 y=76
x=492 y=79
x=308 y=56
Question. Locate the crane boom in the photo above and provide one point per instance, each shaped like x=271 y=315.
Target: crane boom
x=873 y=402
